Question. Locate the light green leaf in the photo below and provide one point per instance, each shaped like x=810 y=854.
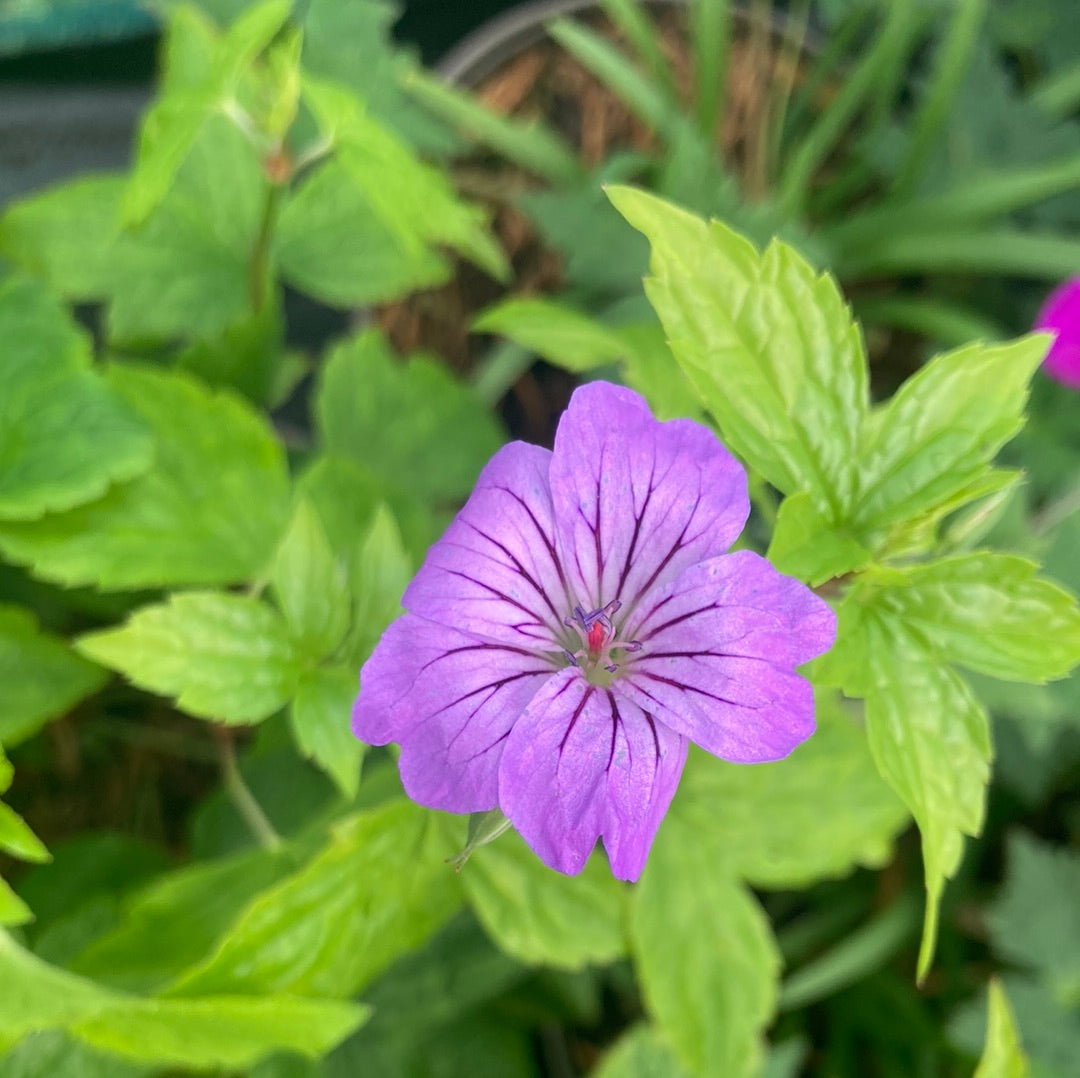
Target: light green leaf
x=187 y=271
x=414 y=200
x=938 y=433
x=320 y=719
x=379 y=574
x=651 y=369
x=769 y=345
x=310 y=585
x=1003 y=1056
x=176 y=919
x=553 y=331
x=65 y=234
x=410 y=423
x=705 y=956
x=818 y=813
x=986 y=611
x=58 y=1055
x=542 y=917
x=380 y=888
x=930 y=739
x=223 y=657
x=17 y=839
x=333 y=246
x=41 y=675
x=13 y=911
x=806 y=546
x=201 y=72
x=64 y=435
x=1034 y=921
x=231 y=1031
x=209 y=511
x=640 y=1053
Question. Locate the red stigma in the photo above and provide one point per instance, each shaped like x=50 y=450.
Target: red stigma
x=595 y=638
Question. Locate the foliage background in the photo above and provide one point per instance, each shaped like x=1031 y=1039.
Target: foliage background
x=222 y=888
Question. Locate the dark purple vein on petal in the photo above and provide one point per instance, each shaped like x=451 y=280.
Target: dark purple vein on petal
x=638 y=674
x=548 y=542
x=639 y=519
x=574 y=718
x=522 y=571
x=504 y=597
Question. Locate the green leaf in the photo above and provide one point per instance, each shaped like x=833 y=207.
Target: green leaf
x=986 y=611
x=41 y=675
x=379 y=574
x=65 y=437
x=175 y=920
x=380 y=888
x=542 y=917
x=807 y=546
x=187 y=271
x=769 y=345
x=65 y=234
x=640 y=1053
x=410 y=423
x=59 y=1055
x=310 y=585
x=705 y=956
x=818 y=813
x=209 y=511
x=414 y=200
x=650 y=368
x=17 y=839
x=230 y=1031
x=930 y=739
x=1003 y=1055
x=938 y=433
x=223 y=657
x=13 y=911
x=553 y=331
x=321 y=724
x=201 y=73
x=331 y=244
x=1034 y=921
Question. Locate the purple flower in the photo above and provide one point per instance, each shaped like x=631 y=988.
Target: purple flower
x=579 y=623
x=1061 y=315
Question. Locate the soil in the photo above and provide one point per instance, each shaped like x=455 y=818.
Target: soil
x=545 y=82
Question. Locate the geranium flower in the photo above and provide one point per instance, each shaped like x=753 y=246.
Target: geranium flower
x=579 y=623
x=1061 y=315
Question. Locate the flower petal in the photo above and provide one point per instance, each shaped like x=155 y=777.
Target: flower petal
x=494 y=572
x=738 y=603
x=637 y=501
x=581 y=764
x=450 y=700
x=718 y=648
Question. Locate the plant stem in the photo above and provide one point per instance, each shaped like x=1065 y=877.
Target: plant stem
x=1058 y=510
x=260 y=255
x=242 y=797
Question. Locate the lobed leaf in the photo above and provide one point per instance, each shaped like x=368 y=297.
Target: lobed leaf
x=224 y=657
x=65 y=437
x=379 y=888
x=768 y=344
x=209 y=511
x=310 y=585
x=541 y=917
x=320 y=720
x=41 y=675
x=986 y=611
x=705 y=956
x=230 y=1031
x=411 y=424
x=818 y=813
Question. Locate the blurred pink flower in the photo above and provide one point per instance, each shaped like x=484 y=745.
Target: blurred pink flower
x=1060 y=315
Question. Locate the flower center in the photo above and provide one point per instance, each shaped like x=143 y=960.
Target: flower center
x=597 y=658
